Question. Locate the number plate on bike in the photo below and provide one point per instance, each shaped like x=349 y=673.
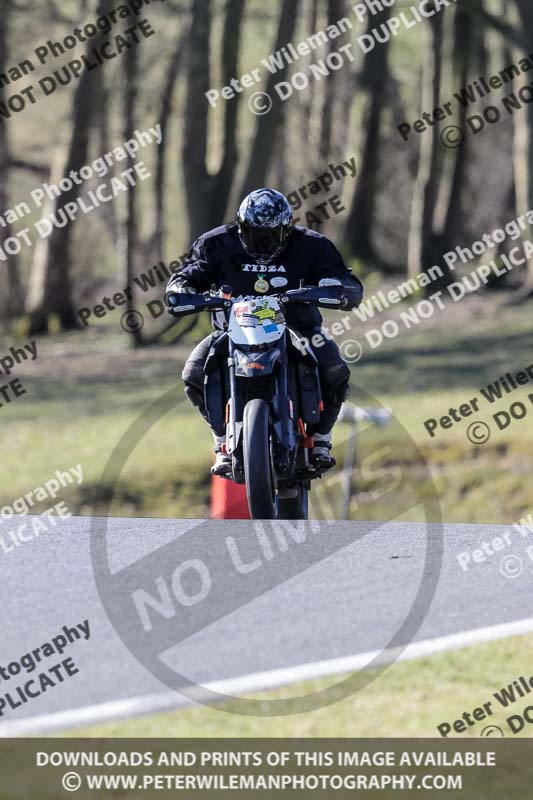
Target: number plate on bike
x=256 y=321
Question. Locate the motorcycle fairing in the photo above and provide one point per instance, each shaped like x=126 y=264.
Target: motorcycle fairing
x=255 y=364
x=257 y=321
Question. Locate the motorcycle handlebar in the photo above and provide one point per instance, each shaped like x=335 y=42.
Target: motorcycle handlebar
x=185 y=304
x=181 y=305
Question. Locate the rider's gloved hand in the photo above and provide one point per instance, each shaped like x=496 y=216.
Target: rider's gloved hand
x=175 y=297
x=349 y=294
x=184 y=300
x=178 y=297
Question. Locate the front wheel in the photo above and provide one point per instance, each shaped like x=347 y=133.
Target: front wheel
x=260 y=486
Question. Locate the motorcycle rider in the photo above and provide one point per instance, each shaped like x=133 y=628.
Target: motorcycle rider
x=264 y=253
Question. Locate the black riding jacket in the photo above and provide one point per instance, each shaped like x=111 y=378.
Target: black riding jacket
x=218 y=257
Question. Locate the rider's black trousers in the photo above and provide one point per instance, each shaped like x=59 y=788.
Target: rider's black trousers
x=334 y=377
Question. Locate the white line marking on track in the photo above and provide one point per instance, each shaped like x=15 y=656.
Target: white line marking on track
x=167 y=701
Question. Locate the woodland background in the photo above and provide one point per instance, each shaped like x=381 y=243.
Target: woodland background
x=410 y=203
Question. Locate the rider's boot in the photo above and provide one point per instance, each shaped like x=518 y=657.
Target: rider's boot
x=222 y=465
x=320 y=455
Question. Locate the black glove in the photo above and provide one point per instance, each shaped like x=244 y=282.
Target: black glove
x=182 y=301
x=349 y=292
x=352 y=296
x=178 y=296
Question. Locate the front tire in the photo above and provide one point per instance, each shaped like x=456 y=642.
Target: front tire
x=260 y=487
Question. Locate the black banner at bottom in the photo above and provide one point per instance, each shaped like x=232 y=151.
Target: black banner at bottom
x=286 y=768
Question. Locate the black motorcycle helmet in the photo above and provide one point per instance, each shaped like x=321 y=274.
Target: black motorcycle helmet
x=265 y=223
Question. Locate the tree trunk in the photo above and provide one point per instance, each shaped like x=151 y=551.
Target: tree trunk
x=207 y=195
x=463 y=48
x=332 y=85
x=197 y=179
x=374 y=79
x=223 y=181
x=11 y=303
x=131 y=76
x=267 y=124
x=423 y=250
x=307 y=125
x=523 y=138
x=51 y=290
x=109 y=213
x=164 y=121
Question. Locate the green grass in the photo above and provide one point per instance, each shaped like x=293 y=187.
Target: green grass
x=409 y=699
x=87 y=389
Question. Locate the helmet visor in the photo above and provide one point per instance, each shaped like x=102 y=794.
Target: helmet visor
x=263 y=243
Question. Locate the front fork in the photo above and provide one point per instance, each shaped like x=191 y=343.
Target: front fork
x=282 y=412
x=233 y=428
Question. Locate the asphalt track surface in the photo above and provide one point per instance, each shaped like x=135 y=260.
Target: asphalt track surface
x=341 y=590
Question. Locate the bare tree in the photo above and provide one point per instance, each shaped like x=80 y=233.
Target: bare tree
x=330 y=128
x=207 y=194
x=51 y=286
x=466 y=50
x=130 y=244
x=165 y=116
x=11 y=302
x=267 y=124
x=423 y=248
x=375 y=78
x=523 y=143
x=197 y=179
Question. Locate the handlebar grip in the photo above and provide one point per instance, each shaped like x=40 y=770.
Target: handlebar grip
x=181 y=305
x=330 y=296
